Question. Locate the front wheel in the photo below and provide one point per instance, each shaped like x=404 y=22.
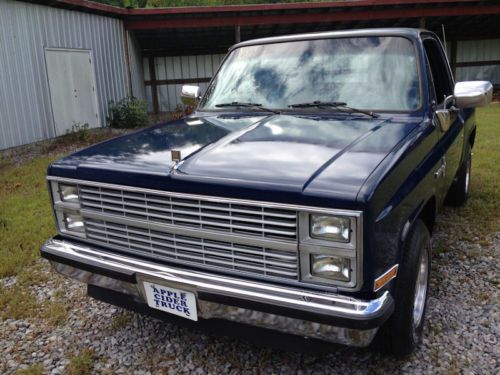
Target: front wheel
x=401 y=334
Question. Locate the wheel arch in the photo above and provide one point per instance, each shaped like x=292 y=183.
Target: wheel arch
x=428 y=214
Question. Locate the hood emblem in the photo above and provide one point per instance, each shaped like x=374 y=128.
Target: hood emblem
x=175 y=155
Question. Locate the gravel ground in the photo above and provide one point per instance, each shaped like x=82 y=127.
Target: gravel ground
x=462 y=333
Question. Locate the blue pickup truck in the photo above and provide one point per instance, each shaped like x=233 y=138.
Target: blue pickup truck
x=299 y=196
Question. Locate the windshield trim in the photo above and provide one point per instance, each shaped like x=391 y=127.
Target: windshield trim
x=318 y=37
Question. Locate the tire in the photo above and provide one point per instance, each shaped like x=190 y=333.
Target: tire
x=403 y=331
x=460 y=189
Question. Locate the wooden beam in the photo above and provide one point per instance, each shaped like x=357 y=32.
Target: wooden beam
x=477 y=63
x=217 y=20
x=353 y=4
x=453 y=58
x=154 y=89
x=179 y=81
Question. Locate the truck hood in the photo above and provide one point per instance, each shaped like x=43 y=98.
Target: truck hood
x=306 y=154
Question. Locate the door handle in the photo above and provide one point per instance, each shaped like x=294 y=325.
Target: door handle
x=441 y=171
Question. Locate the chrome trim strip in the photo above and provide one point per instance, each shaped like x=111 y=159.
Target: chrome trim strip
x=320 y=303
x=208 y=198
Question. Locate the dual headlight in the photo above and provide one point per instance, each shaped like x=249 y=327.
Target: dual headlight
x=329 y=248
x=67 y=209
x=333 y=228
x=68 y=193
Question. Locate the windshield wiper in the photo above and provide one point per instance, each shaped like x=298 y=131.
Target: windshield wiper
x=248 y=105
x=332 y=105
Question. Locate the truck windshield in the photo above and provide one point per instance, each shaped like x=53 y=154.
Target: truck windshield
x=372 y=73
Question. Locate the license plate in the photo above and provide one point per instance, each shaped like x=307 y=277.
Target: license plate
x=171 y=300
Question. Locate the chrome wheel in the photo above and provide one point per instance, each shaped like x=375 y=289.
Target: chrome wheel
x=467 y=176
x=421 y=288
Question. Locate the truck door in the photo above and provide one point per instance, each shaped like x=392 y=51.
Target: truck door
x=451 y=139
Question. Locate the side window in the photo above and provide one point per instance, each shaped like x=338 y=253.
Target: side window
x=439 y=69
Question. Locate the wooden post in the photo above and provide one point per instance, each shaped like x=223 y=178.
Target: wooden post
x=154 y=88
x=453 y=58
x=237 y=33
x=421 y=23
x=127 y=62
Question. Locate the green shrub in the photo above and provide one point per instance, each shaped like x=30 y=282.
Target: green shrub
x=78 y=132
x=129 y=112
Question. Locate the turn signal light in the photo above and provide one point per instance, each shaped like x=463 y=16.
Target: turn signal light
x=385 y=278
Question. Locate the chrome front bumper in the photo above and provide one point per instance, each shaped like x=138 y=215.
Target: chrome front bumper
x=327 y=316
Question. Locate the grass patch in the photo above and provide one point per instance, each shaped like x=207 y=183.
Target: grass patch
x=35 y=275
x=483 y=208
x=37 y=369
x=81 y=364
x=26 y=218
x=480 y=217
x=121 y=320
x=55 y=313
x=17 y=303
x=25 y=214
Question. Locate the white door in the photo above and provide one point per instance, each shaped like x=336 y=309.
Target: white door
x=72 y=88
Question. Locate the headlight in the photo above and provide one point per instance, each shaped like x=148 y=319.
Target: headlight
x=331 y=267
x=73 y=223
x=67 y=209
x=334 y=228
x=331 y=248
x=68 y=193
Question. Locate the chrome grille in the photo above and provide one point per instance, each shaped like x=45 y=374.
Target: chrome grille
x=228 y=235
x=250 y=220
x=192 y=250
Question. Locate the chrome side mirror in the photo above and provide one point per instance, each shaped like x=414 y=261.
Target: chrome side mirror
x=444 y=119
x=443 y=114
x=190 y=95
x=472 y=94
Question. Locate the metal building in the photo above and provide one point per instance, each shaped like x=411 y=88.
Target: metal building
x=151 y=53
x=59 y=68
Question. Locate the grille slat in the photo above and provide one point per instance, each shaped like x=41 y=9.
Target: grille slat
x=194 y=250
x=251 y=220
x=108 y=205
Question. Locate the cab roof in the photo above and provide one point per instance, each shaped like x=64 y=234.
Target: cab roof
x=411 y=33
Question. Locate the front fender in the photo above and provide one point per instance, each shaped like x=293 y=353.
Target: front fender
x=405 y=186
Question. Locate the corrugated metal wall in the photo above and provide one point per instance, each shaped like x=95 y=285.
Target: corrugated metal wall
x=179 y=68
x=25 y=30
x=137 y=73
x=479 y=50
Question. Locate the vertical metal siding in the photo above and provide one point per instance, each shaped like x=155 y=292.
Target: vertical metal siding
x=179 y=68
x=25 y=30
x=479 y=73
x=479 y=50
